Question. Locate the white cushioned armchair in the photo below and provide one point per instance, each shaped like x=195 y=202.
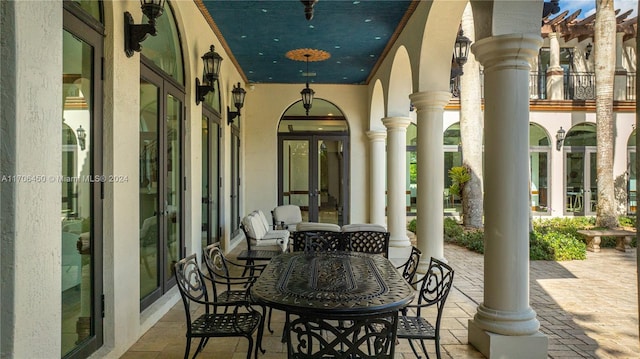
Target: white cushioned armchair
x=260 y=235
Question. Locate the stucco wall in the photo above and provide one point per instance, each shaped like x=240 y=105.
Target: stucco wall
x=260 y=119
x=31 y=201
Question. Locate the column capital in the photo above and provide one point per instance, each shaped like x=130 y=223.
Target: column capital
x=396 y=122
x=511 y=51
x=377 y=135
x=435 y=100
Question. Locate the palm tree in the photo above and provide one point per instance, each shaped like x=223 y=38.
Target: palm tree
x=605 y=40
x=470 y=126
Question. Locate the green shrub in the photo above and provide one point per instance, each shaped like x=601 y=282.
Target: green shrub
x=452 y=229
x=413 y=225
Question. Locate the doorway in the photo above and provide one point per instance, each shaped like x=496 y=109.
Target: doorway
x=580 y=170
x=313 y=166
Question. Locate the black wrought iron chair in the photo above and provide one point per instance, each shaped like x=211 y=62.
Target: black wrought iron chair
x=434 y=289
x=240 y=321
x=366 y=238
x=226 y=286
x=357 y=336
x=409 y=268
x=321 y=237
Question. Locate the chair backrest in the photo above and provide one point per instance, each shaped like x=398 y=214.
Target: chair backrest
x=367 y=238
x=435 y=286
x=254 y=226
x=216 y=264
x=313 y=236
x=191 y=283
x=288 y=216
x=410 y=267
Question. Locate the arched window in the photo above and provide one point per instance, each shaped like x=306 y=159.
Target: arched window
x=313 y=162
x=583 y=134
x=164 y=49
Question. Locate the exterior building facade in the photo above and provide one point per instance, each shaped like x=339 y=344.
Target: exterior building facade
x=114 y=173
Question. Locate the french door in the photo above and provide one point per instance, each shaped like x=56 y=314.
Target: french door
x=313 y=174
x=81 y=186
x=161 y=179
x=210 y=178
x=580 y=181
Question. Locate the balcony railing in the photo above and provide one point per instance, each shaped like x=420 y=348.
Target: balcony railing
x=577 y=86
x=580 y=86
x=631 y=85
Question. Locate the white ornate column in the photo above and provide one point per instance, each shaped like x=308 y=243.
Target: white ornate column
x=620 y=79
x=505 y=326
x=377 y=176
x=396 y=181
x=430 y=110
x=555 y=73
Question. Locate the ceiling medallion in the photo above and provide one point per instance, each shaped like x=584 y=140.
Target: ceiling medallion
x=311 y=55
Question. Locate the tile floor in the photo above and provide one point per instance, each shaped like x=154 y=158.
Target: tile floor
x=588 y=309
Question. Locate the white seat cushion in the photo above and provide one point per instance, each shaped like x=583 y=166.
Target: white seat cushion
x=363 y=227
x=313 y=226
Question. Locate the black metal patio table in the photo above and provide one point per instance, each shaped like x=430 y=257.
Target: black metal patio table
x=338 y=304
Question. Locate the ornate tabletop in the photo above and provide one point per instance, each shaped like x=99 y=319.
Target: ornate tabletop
x=332 y=283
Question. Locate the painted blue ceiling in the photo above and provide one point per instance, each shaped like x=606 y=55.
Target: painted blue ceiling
x=260 y=33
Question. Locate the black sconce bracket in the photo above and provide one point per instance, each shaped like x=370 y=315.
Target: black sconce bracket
x=202 y=91
x=134 y=34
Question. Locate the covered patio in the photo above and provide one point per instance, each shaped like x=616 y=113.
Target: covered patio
x=584 y=313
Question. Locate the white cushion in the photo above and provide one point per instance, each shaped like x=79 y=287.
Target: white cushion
x=363 y=227
x=246 y=222
x=288 y=213
x=313 y=226
x=263 y=218
x=258 y=226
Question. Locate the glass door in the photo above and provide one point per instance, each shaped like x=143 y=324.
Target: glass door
x=160 y=194
x=313 y=176
x=81 y=187
x=580 y=182
x=210 y=182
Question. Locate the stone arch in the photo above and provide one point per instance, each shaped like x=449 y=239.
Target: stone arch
x=377 y=107
x=400 y=86
x=438 y=36
x=509 y=17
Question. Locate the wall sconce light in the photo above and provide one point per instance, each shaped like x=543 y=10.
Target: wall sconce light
x=308 y=8
x=82 y=137
x=587 y=51
x=307 y=93
x=135 y=34
x=560 y=138
x=461 y=50
x=238 y=94
x=211 y=62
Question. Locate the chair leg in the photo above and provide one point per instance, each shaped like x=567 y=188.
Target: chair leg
x=187 y=349
x=200 y=347
x=424 y=349
x=415 y=352
x=269 y=321
x=438 y=348
x=250 y=350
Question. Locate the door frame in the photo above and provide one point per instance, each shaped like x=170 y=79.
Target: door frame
x=586 y=193
x=167 y=86
x=313 y=138
x=90 y=31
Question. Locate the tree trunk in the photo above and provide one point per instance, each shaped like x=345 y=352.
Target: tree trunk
x=604 y=47
x=471 y=130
